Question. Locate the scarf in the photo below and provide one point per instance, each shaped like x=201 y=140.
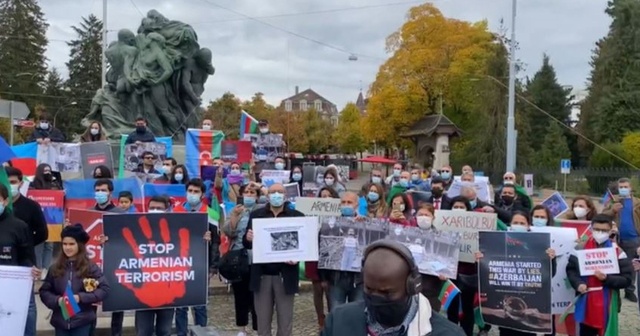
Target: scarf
x=599 y=308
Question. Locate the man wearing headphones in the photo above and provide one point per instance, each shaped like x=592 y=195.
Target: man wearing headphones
x=393 y=305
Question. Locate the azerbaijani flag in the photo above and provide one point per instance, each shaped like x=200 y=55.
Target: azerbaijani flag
x=26 y=159
x=447 y=294
x=248 y=124
x=80 y=194
x=167 y=141
x=201 y=147
x=6 y=154
x=607 y=199
x=68 y=304
x=214 y=211
x=176 y=192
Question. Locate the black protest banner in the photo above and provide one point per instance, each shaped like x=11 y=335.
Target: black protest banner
x=155 y=260
x=95 y=154
x=515 y=280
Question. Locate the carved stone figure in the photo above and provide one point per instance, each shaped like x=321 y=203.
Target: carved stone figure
x=158 y=74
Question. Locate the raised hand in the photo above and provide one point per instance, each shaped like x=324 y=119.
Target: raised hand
x=149 y=290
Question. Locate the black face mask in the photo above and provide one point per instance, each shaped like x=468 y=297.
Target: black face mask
x=389 y=313
x=141 y=129
x=508 y=200
x=47 y=177
x=437 y=193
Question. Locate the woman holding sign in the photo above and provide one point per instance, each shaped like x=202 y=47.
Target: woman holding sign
x=520 y=222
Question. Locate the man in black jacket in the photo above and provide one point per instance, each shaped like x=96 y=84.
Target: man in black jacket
x=141 y=134
x=16 y=249
x=27 y=210
x=392 y=302
x=274 y=283
x=45 y=133
x=439 y=200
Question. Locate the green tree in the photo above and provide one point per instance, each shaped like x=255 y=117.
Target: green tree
x=546 y=93
x=258 y=107
x=613 y=106
x=318 y=131
x=554 y=147
x=54 y=91
x=85 y=73
x=225 y=114
x=23 y=43
x=348 y=134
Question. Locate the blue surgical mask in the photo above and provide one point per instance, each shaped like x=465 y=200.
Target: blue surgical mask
x=194 y=199
x=624 y=192
x=373 y=196
x=445 y=175
x=473 y=203
x=376 y=179
x=279 y=166
x=276 y=199
x=347 y=211
x=518 y=228
x=539 y=222
x=166 y=170
x=235 y=172
x=296 y=176
x=249 y=201
x=262 y=199
x=415 y=177
x=396 y=172
x=101 y=197
x=178 y=177
x=403 y=183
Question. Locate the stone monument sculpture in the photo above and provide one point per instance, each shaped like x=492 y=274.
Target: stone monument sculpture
x=158 y=74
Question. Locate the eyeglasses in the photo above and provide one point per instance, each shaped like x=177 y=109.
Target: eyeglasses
x=508 y=178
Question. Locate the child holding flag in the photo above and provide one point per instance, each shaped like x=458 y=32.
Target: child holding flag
x=72 y=285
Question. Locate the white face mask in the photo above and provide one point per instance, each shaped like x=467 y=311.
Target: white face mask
x=328 y=181
x=518 y=228
x=44 y=125
x=155 y=211
x=95 y=131
x=580 y=212
x=424 y=222
x=206 y=127
x=264 y=130
x=600 y=237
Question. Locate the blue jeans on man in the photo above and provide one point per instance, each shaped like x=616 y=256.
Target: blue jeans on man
x=182 y=319
x=152 y=322
x=44 y=254
x=340 y=294
x=32 y=317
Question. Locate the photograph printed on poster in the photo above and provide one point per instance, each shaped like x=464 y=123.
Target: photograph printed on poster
x=435 y=252
x=515 y=275
x=265 y=148
x=285 y=241
x=343 y=240
x=62 y=157
x=95 y=154
x=134 y=158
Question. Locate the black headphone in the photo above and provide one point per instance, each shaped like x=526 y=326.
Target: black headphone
x=414 y=281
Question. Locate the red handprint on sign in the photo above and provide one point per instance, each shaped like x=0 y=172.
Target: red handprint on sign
x=157 y=283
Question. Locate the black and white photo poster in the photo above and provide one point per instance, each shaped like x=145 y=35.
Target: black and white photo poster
x=343 y=240
x=62 y=157
x=435 y=252
x=285 y=239
x=514 y=278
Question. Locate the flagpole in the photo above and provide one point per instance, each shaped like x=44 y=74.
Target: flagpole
x=104 y=43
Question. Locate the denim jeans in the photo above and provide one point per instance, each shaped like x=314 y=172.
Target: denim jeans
x=85 y=330
x=182 y=319
x=343 y=294
x=44 y=254
x=630 y=247
x=32 y=317
x=154 y=322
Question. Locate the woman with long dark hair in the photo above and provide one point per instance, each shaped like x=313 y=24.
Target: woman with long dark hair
x=94 y=132
x=73 y=271
x=44 y=179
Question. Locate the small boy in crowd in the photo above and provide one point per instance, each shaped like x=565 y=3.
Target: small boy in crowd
x=125 y=201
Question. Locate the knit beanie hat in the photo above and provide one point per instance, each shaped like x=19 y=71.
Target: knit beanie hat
x=76 y=232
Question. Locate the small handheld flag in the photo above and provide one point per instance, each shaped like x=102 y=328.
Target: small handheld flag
x=248 y=124
x=448 y=292
x=68 y=304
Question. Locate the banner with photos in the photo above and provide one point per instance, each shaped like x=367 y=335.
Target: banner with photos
x=62 y=157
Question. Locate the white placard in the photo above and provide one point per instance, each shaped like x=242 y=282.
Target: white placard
x=16 y=288
x=313 y=206
x=62 y=157
x=603 y=259
x=270 y=177
x=563 y=242
x=468 y=224
x=528 y=184
x=285 y=239
x=484 y=179
x=482 y=189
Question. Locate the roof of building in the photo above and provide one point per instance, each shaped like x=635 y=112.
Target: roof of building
x=431 y=124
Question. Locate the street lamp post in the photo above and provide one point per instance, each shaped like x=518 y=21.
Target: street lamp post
x=73 y=103
x=511 y=127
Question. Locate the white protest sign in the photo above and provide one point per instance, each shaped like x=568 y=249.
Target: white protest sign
x=285 y=239
x=484 y=179
x=482 y=189
x=468 y=224
x=528 y=185
x=604 y=260
x=312 y=206
x=270 y=177
x=563 y=242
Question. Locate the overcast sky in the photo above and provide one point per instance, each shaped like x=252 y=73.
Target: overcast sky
x=273 y=45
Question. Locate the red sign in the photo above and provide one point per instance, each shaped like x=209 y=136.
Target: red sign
x=91 y=221
x=24 y=123
x=582 y=226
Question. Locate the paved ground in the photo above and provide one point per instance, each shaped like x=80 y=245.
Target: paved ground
x=221 y=313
